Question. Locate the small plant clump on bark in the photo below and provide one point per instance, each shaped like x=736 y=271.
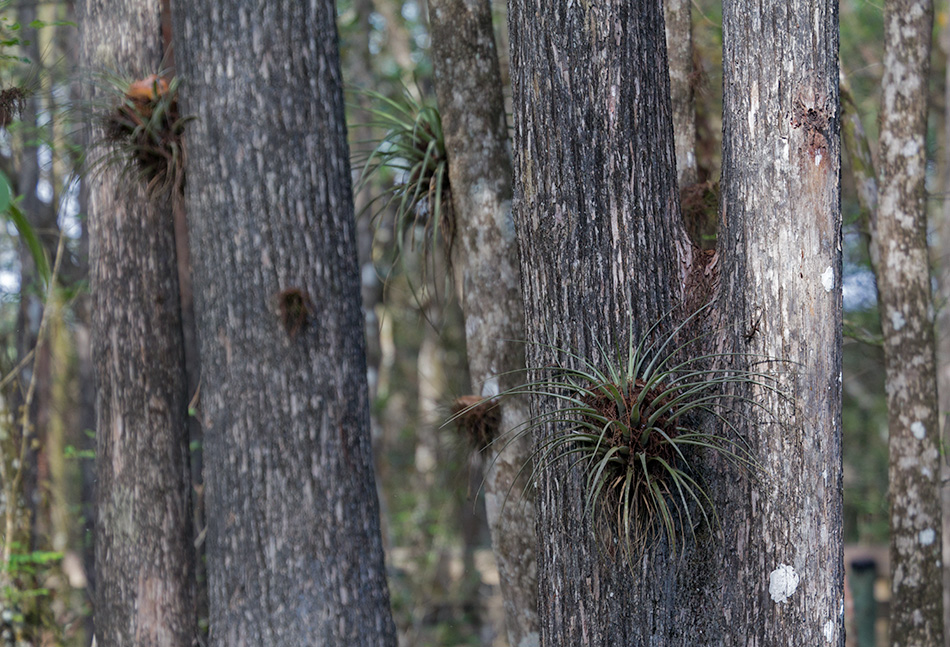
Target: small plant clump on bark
x=143 y=130
x=413 y=152
x=630 y=420
x=295 y=309
x=12 y=102
x=477 y=419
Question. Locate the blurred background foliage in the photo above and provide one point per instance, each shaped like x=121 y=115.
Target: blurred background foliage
x=443 y=584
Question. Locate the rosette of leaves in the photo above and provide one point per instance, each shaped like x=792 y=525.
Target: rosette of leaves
x=143 y=130
x=632 y=421
x=410 y=162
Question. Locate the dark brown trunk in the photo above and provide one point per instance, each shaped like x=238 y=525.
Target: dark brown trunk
x=597 y=215
x=294 y=551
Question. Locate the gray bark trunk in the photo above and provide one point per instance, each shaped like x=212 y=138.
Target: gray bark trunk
x=294 y=550
x=899 y=245
x=598 y=224
x=144 y=551
x=601 y=240
x=488 y=279
x=781 y=247
x=943 y=336
x=679 y=47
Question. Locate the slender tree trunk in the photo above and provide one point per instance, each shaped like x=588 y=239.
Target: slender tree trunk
x=144 y=563
x=899 y=245
x=679 y=46
x=943 y=335
x=42 y=218
x=781 y=247
x=488 y=278
x=294 y=551
x=602 y=242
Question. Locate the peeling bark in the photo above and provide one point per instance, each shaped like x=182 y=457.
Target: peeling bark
x=906 y=307
x=488 y=278
x=294 y=550
x=144 y=551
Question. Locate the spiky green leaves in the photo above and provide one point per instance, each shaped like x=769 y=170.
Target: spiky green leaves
x=413 y=151
x=634 y=421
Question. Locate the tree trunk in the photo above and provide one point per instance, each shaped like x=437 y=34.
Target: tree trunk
x=781 y=247
x=679 y=46
x=598 y=224
x=144 y=563
x=603 y=253
x=899 y=244
x=294 y=551
x=943 y=335
x=488 y=278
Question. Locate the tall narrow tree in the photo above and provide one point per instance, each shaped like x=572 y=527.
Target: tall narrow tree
x=144 y=564
x=294 y=551
x=899 y=245
x=488 y=280
x=603 y=253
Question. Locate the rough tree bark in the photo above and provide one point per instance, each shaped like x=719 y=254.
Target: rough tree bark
x=781 y=257
x=943 y=335
x=144 y=563
x=602 y=241
x=488 y=279
x=294 y=550
x=899 y=245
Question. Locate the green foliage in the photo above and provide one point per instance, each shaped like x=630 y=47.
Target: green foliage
x=411 y=160
x=26 y=601
x=8 y=206
x=631 y=421
x=72 y=453
x=9 y=32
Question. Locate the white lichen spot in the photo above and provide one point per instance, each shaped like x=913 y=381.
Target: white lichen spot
x=490 y=387
x=829 y=631
x=782 y=583
x=926 y=536
x=817 y=159
x=897 y=320
x=918 y=429
x=828 y=279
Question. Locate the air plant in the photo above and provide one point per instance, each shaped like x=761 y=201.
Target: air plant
x=413 y=151
x=143 y=130
x=477 y=419
x=632 y=421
